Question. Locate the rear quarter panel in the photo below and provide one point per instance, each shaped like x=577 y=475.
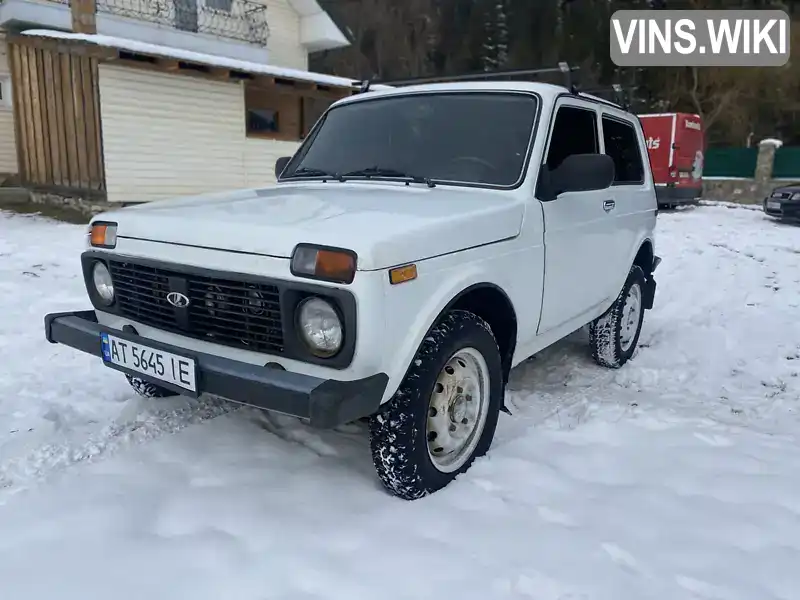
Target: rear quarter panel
x=637 y=203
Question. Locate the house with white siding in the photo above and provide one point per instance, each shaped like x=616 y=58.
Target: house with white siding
x=125 y=101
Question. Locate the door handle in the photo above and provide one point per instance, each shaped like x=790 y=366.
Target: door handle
x=608 y=205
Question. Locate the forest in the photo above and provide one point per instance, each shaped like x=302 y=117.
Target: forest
x=400 y=39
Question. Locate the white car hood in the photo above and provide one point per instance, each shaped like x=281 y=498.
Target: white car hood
x=386 y=224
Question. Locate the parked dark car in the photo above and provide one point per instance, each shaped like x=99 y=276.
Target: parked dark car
x=784 y=203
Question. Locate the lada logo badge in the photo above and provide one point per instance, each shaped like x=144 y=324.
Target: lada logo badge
x=177 y=300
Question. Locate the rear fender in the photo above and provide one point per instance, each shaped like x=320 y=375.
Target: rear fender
x=649 y=280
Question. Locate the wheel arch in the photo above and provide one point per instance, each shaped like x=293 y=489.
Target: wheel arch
x=645 y=256
x=483 y=300
x=639 y=254
x=479 y=297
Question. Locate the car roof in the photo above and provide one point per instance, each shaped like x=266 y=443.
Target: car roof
x=548 y=91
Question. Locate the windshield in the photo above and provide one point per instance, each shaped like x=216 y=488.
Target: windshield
x=473 y=138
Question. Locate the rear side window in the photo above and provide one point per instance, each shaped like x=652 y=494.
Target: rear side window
x=574 y=132
x=622 y=146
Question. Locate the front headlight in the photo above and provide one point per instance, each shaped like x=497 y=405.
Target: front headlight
x=103 y=284
x=796 y=196
x=320 y=327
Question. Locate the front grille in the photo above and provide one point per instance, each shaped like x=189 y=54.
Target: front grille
x=226 y=311
x=791 y=211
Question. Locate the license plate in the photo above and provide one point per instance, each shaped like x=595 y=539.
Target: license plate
x=164 y=366
x=773 y=205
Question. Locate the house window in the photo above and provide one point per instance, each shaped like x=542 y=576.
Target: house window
x=272 y=113
x=5 y=91
x=262 y=120
x=284 y=112
x=220 y=5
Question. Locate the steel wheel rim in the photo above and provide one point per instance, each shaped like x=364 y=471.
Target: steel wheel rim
x=457 y=410
x=631 y=311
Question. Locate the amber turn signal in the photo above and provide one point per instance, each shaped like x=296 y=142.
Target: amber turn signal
x=103 y=235
x=402 y=274
x=330 y=264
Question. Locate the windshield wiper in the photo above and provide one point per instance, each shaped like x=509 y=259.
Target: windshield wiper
x=388 y=172
x=312 y=172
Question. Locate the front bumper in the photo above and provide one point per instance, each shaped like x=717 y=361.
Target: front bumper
x=325 y=403
x=787 y=209
x=671 y=194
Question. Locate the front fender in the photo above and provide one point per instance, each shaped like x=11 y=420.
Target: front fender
x=419 y=306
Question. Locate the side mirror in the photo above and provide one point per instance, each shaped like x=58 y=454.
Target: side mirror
x=582 y=173
x=280 y=165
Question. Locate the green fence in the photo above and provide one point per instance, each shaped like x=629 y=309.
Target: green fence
x=730 y=162
x=787 y=163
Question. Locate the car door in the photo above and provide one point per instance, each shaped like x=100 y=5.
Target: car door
x=632 y=212
x=579 y=226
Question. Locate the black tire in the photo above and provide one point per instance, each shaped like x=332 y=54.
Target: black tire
x=605 y=332
x=398 y=431
x=147 y=389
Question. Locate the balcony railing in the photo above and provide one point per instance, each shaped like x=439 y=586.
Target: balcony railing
x=241 y=20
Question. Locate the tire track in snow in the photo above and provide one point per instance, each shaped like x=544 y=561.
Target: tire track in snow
x=78 y=447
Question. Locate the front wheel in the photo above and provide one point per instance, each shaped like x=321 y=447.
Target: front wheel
x=445 y=412
x=614 y=335
x=148 y=390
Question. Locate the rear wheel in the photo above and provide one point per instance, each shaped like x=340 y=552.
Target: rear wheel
x=614 y=335
x=445 y=412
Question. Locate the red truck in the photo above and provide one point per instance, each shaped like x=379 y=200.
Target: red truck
x=675 y=143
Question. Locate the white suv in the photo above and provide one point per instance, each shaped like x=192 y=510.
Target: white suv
x=421 y=243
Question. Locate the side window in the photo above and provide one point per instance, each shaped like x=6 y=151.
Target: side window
x=623 y=148
x=574 y=132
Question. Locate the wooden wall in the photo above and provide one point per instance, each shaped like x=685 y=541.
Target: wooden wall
x=57 y=115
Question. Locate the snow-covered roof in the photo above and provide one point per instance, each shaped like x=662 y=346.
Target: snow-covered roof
x=194 y=57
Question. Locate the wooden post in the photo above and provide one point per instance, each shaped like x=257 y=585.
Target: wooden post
x=84 y=16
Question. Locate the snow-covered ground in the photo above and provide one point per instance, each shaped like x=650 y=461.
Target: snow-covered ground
x=677 y=476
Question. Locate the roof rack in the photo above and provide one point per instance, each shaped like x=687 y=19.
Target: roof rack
x=563 y=67
x=621 y=99
x=622 y=95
